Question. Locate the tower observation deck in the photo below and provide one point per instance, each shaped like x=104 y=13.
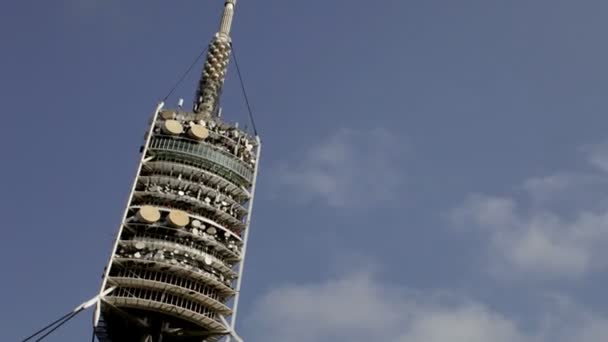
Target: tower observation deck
x=177 y=262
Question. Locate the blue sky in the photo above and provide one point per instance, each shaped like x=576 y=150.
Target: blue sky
x=432 y=170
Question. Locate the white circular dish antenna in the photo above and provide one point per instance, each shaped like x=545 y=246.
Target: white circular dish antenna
x=208 y=260
x=148 y=214
x=140 y=245
x=137 y=255
x=167 y=115
x=195 y=231
x=178 y=218
x=196 y=223
x=212 y=230
x=172 y=127
x=198 y=132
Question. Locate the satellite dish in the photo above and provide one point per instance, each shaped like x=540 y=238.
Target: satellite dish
x=195 y=231
x=181 y=193
x=212 y=230
x=140 y=245
x=137 y=255
x=172 y=127
x=208 y=260
x=196 y=223
x=198 y=132
x=178 y=218
x=148 y=214
x=167 y=115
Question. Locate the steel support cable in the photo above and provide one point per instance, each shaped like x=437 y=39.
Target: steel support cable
x=59 y=325
x=60 y=321
x=67 y=317
x=181 y=79
x=238 y=71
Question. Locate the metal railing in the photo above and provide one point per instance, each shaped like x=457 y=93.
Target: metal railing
x=205 y=152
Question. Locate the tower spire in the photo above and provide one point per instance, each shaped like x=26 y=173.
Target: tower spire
x=226 y=23
x=216 y=64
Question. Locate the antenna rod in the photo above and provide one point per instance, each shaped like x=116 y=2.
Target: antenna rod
x=216 y=64
x=226 y=23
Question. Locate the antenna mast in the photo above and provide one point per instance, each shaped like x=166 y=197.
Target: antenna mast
x=216 y=64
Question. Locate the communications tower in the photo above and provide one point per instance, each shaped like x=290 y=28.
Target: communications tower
x=177 y=263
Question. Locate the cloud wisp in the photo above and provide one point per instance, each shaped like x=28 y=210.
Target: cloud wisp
x=527 y=235
x=359 y=307
x=543 y=239
x=351 y=168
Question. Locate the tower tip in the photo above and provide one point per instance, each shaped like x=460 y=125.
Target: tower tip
x=216 y=64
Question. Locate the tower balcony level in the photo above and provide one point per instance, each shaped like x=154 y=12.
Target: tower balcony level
x=177 y=260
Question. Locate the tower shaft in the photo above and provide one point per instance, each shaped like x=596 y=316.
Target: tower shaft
x=177 y=261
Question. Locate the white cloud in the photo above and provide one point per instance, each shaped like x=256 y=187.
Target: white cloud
x=543 y=239
x=537 y=243
x=359 y=307
x=344 y=308
x=544 y=189
x=470 y=323
x=598 y=155
x=350 y=168
x=527 y=236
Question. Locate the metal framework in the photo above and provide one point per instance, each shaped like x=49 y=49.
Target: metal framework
x=176 y=266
